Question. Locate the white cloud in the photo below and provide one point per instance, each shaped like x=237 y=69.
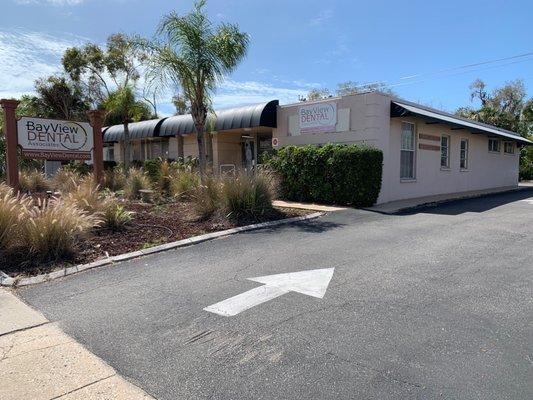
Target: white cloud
x=233 y=93
x=322 y=17
x=26 y=56
x=51 y=2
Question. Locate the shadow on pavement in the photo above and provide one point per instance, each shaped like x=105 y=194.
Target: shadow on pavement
x=313 y=226
x=476 y=205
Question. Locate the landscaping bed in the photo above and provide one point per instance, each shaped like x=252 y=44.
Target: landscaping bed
x=152 y=225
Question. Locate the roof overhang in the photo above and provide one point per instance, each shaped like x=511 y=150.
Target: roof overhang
x=404 y=108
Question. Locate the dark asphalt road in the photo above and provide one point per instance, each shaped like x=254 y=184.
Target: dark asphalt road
x=432 y=304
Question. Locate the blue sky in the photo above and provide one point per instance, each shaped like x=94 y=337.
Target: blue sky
x=298 y=45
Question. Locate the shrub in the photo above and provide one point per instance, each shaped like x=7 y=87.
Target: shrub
x=248 y=196
x=207 y=197
x=33 y=181
x=114 y=215
x=526 y=163
x=165 y=177
x=333 y=173
x=184 y=183
x=152 y=168
x=66 y=180
x=85 y=196
x=12 y=215
x=136 y=181
x=52 y=227
x=114 y=179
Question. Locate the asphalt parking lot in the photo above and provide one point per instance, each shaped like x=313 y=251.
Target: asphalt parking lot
x=430 y=304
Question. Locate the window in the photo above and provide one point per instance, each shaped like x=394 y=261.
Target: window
x=445 y=151
x=464 y=154
x=494 y=145
x=508 y=147
x=407 y=154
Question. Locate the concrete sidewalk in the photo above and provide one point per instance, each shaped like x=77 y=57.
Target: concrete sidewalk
x=306 y=206
x=394 y=207
x=39 y=361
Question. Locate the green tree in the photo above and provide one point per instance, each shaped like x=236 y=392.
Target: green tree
x=108 y=76
x=121 y=105
x=350 y=87
x=101 y=71
x=505 y=107
x=195 y=56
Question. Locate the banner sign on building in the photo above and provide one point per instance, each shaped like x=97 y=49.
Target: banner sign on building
x=52 y=139
x=318 y=117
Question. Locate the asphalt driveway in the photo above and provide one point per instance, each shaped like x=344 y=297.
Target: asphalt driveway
x=435 y=303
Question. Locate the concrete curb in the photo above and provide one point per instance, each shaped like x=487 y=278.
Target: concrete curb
x=6 y=280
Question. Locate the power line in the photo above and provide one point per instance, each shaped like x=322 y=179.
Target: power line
x=468 y=66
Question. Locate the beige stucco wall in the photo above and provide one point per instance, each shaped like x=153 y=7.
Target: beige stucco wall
x=486 y=170
x=365 y=119
x=190 y=146
x=227 y=149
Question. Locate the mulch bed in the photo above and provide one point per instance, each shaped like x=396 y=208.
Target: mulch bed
x=152 y=225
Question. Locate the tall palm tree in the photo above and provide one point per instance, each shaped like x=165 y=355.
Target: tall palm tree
x=196 y=56
x=122 y=105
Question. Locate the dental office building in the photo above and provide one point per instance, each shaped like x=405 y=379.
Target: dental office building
x=425 y=151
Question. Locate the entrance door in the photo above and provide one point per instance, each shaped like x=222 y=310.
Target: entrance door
x=248 y=154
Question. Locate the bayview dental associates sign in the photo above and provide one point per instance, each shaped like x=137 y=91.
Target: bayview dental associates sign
x=52 y=139
x=318 y=117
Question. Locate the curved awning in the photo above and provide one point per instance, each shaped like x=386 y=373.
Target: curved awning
x=405 y=108
x=138 y=130
x=177 y=125
x=253 y=116
x=247 y=117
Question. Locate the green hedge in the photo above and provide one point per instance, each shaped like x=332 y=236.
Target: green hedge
x=333 y=173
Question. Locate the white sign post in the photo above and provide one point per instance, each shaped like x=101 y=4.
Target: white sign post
x=318 y=117
x=312 y=283
x=51 y=139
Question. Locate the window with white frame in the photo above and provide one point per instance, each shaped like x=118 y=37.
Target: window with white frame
x=494 y=145
x=508 y=147
x=408 y=151
x=445 y=151
x=464 y=154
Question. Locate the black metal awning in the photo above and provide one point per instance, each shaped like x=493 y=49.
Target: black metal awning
x=253 y=116
x=177 y=125
x=138 y=130
x=402 y=108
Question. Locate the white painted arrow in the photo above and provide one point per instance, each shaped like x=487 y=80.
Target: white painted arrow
x=530 y=201
x=312 y=283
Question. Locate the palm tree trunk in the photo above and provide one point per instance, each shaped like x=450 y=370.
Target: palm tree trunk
x=209 y=150
x=127 y=147
x=200 y=136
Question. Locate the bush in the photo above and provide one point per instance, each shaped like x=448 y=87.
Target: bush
x=114 y=215
x=184 y=183
x=207 y=197
x=136 y=181
x=85 y=196
x=114 y=179
x=333 y=173
x=66 y=180
x=526 y=163
x=33 y=181
x=248 y=196
x=52 y=227
x=12 y=215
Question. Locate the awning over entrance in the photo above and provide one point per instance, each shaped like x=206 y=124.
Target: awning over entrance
x=404 y=108
x=138 y=130
x=258 y=115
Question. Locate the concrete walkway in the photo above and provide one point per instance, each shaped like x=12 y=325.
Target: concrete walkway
x=39 y=361
x=397 y=206
x=306 y=206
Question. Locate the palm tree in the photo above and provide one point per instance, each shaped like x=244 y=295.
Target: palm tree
x=121 y=105
x=196 y=56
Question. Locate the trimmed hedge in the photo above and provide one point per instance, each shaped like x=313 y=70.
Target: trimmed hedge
x=333 y=173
